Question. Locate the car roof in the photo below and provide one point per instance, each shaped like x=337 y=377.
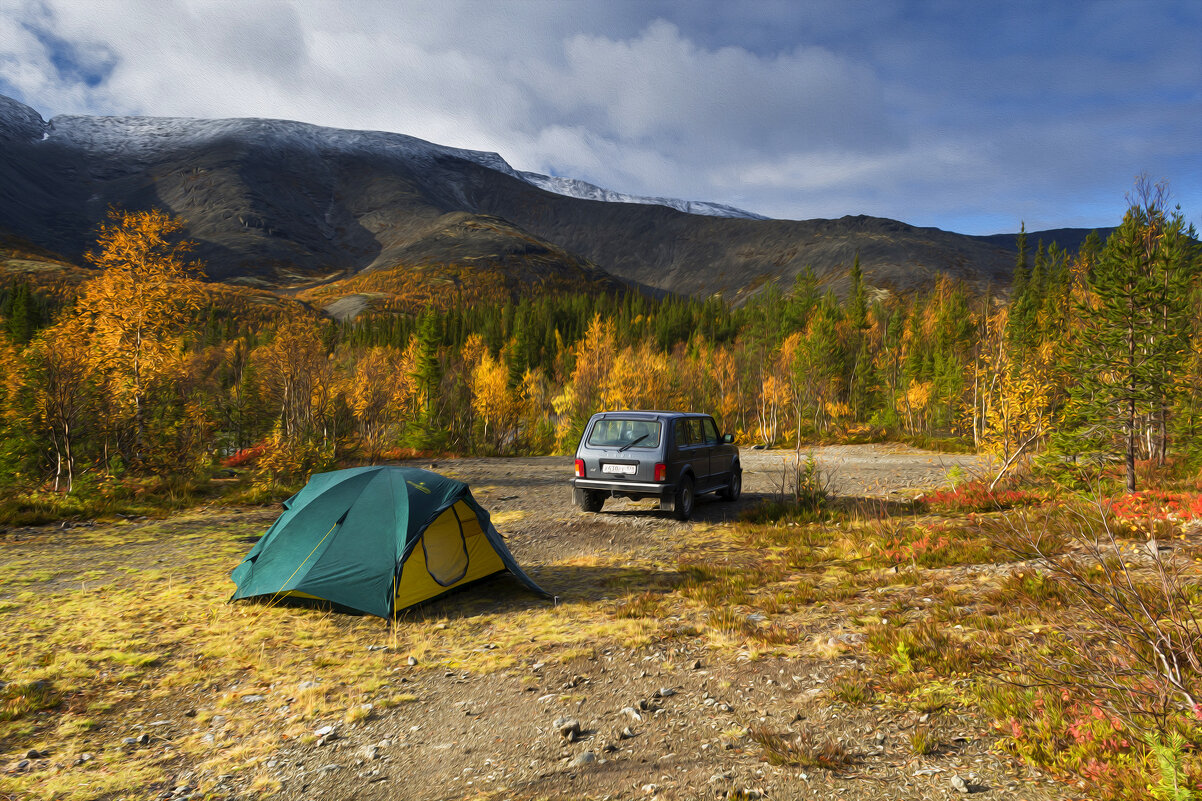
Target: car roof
x=647 y=415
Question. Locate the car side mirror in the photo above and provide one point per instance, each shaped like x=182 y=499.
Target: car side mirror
x=728 y=438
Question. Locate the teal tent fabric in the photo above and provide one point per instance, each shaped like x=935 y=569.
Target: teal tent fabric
x=346 y=535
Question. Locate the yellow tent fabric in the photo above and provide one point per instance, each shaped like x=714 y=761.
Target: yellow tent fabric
x=453 y=551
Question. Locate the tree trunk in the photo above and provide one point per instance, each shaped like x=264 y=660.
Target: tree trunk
x=58 y=463
x=1131 y=442
x=70 y=458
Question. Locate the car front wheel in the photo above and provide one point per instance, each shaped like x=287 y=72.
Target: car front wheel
x=683 y=508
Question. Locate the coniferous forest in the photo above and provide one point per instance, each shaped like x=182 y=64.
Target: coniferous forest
x=145 y=375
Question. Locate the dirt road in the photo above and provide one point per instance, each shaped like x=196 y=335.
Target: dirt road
x=533 y=502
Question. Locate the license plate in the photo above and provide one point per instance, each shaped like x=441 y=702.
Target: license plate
x=624 y=469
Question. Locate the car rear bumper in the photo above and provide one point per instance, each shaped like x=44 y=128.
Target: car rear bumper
x=624 y=487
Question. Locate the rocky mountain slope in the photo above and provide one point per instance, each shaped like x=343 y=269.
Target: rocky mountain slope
x=285 y=204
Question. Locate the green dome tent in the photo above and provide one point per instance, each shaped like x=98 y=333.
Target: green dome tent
x=376 y=539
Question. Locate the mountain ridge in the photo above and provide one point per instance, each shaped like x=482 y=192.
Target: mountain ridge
x=288 y=204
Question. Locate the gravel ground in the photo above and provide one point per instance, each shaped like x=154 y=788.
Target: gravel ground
x=537 y=489
x=657 y=722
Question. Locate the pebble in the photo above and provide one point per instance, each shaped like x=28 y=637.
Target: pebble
x=251 y=699
x=959 y=785
x=33 y=753
x=626 y=733
x=585 y=758
x=412 y=661
x=665 y=692
x=569 y=728
x=632 y=712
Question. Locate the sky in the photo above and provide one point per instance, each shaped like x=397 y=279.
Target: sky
x=967 y=116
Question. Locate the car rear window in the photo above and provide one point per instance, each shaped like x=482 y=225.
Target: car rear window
x=614 y=432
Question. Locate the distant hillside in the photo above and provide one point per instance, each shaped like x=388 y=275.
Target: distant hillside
x=286 y=205
x=1069 y=239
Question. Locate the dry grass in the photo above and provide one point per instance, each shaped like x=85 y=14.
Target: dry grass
x=922 y=742
x=108 y=652
x=932 y=609
x=803 y=749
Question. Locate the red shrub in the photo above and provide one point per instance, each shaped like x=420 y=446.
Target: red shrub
x=975 y=496
x=1156 y=506
x=245 y=457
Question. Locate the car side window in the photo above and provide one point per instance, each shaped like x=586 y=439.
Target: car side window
x=683 y=440
x=711 y=431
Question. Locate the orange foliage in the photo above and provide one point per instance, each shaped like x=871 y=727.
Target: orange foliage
x=494 y=404
x=132 y=312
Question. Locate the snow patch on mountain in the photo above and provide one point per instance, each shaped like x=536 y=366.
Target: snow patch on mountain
x=573 y=187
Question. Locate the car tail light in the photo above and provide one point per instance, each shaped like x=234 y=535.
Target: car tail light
x=661 y=472
x=579 y=468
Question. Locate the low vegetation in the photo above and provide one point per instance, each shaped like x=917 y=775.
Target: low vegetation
x=1052 y=622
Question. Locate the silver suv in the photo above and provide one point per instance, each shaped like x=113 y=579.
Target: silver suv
x=673 y=456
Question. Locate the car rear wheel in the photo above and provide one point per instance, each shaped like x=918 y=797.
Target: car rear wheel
x=734 y=489
x=589 y=500
x=683 y=508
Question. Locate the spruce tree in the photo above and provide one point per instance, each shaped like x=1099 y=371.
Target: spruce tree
x=1023 y=302
x=427 y=369
x=1132 y=322
x=861 y=357
x=857 y=313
